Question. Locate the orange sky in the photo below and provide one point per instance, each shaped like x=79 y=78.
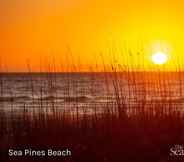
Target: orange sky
x=80 y=31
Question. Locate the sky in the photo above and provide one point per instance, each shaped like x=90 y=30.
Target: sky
x=78 y=34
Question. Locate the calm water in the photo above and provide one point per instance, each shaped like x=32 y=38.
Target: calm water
x=88 y=92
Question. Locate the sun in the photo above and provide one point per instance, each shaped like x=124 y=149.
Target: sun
x=159 y=58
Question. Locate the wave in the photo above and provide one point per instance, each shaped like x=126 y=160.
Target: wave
x=67 y=99
x=14 y=99
x=45 y=98
x=77 y=99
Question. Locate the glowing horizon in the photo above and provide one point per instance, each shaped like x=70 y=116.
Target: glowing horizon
x=79 y=34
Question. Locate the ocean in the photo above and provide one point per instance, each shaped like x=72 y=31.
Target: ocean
x=88 y=93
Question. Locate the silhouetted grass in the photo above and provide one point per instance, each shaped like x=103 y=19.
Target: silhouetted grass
x=123 y=132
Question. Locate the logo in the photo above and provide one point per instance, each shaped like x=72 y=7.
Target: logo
x=177 y=150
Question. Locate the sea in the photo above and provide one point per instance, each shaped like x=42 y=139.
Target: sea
x=89 y=93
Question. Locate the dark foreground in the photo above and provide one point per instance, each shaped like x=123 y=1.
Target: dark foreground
x=103 y=138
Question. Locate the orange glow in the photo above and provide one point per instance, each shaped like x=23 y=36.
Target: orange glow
x=78 y=33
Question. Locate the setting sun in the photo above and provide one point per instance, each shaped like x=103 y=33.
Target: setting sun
x=159 y=58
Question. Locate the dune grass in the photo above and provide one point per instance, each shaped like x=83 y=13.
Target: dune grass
x=121 y=133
